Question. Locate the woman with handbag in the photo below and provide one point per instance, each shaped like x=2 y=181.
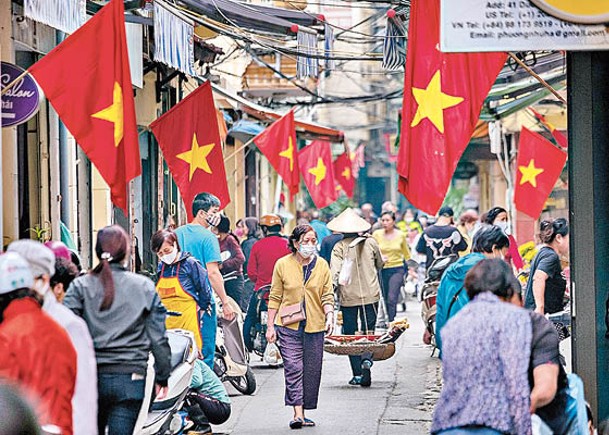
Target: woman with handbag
x=300 y=310
x=355 y=264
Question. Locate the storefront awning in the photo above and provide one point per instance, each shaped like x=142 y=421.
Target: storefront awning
x=304 y=130
x=266 y=19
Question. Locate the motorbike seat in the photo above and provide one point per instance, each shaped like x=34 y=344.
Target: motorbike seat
x=180 y=348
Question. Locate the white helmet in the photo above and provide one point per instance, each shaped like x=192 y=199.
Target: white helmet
x=15 y=273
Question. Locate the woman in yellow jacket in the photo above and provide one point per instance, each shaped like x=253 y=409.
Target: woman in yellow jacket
x=301 y=309
x=394 y=247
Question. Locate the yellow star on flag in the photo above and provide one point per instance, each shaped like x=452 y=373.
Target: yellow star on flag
x=432 y=102
x=197 y=157
x=529 y=173
x=319 y=171
x=346 y=173
x=114 y=113
x=288 y=153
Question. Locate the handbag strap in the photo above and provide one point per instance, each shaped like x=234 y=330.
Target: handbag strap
x=452 y=302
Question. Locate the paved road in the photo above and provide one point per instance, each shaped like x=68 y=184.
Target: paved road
x=400 y=400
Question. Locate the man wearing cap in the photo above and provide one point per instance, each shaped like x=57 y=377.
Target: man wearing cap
x=441 y=239
x=35 y=352
x=84 y=403
x=263 y=256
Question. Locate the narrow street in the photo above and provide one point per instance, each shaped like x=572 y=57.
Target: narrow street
x=400 y=401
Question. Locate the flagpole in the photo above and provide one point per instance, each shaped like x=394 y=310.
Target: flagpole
x=13 y=83
x=245 y=145
x=536 y=76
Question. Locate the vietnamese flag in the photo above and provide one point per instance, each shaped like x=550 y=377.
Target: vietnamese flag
x=189 y=137
x=315 y=162
x=560 y=138
x=278 y=144
x=538 y=166
x=443 y=96
x=343 y=174
x=87 y=80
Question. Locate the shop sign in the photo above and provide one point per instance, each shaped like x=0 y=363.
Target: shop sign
x=20 y=102
x=580 y=11
x=516 y=25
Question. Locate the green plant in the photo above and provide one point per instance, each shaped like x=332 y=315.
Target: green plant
x=454 y=199
x=41 y=234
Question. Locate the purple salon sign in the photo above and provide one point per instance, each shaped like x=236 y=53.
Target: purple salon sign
x=21 y=101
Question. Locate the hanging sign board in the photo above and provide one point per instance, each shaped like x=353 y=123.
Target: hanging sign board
x=580 y=11
x=20 y=102
x=513 y=25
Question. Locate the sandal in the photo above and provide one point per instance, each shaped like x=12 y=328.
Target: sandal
x=296 y=423
x=355 y=380
x=308 y=423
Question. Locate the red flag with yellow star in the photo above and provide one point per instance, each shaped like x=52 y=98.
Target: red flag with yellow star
x=443 y=96
x=560 y=138
x=278 y=144
x=315 y=162
x=189 y=137
x=538 y=166
x=87 y=80
x=343 y=174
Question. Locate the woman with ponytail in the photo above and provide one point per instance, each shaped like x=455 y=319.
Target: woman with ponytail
x=127 y=321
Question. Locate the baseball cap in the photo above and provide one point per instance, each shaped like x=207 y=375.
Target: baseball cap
x=15 y=273
x=40 y=258
x=446 y=211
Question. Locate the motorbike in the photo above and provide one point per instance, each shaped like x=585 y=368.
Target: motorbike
x=231 y=361
x=258 y=331
x=167 y=416
x=429 y=294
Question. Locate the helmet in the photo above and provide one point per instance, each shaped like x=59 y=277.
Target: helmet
x=15 y=273
x=59 y=249
x=270 y=220
x=40 y=258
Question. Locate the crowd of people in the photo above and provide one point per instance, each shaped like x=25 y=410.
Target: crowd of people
x=97 y=328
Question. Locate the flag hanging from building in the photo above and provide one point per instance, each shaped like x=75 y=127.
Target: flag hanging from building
x=189 y=137
x=278 y=144
x=87 y=80
x=560 y=138
x=538 y=166
x=315 y=162
x=443 y=96
x=343 y=174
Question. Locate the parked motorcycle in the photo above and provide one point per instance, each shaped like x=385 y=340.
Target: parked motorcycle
x=166 y=416
x=429 y=294
x=231 y=362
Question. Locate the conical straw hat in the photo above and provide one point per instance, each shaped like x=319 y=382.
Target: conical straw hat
x=348 y=222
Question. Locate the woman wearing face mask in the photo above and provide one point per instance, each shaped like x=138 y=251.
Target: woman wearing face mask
x=498 y=216
x=546 y=286
x=300 y=310
x=183 y=284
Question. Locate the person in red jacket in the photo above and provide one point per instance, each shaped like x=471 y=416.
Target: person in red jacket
x=498 y=216
x=36 y=353
x=261 y=263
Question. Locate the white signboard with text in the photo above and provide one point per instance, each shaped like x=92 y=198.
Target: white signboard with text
x=512 y=25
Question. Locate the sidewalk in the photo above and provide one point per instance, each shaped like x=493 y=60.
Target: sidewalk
x=400 y=401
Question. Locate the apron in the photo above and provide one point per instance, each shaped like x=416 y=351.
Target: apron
x=175 y=298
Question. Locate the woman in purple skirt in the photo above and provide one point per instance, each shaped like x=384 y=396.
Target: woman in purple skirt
x=301 y=309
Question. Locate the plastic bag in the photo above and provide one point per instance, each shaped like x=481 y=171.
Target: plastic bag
x=344 y=277
x=272 y=356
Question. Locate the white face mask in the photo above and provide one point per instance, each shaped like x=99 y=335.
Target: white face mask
x=504 y=226
x=307 y=250
x=170 y=258
x=41 y=287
